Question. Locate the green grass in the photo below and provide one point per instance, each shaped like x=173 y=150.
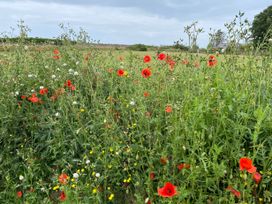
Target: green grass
x=107 y=126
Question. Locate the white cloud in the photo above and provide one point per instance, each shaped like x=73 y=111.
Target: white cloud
x=176 y=4
x=118 y=20
x=150 y=22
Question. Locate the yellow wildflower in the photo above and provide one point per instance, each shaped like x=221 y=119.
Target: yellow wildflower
x=111 y=196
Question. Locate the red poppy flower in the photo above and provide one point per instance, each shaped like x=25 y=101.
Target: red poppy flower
x=63 y=178
x=257 y=177
x=168 y=109
x=183 y=166
x=147 y=59
x=185 y=61
x=19 y=194
x=88 y=55
x=171 y=64
x=246 y=164
x=196 y=64
x=62 y=196
x=72 y=88
x=146 y=73
x=23 y=97
x=69 y=84
x=120 y=72
x=56 y=52
x=146 y=94
x=34 y=98
x=163 y=160
x=43 y=91
x=152 y=176
x=56 y=57
x=161 y=56
x=169 y=190
x=234 y=191
x=212 y=61
x=168 y=58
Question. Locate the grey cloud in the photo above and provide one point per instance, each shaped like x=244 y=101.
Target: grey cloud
x=126 y=21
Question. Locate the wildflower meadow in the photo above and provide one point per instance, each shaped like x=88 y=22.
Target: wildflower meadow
x=81 y=124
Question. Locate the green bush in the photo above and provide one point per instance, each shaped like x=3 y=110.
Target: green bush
x=138 y=47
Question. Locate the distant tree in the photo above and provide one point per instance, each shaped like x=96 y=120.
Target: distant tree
x=217 y=38
x=262 y=25
x=193 y=32
x=137 y=47
x=196 y=32
x=178 y=45
x=187 y=30
x=238 y=31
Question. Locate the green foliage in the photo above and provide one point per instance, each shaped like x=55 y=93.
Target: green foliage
x=217 y=40
x=173 y=48
x=238 y=32
x=178 y=45
x=193 y=32
x=108 y=137
x=31 y=40
x=262 y=26
x=138 y=47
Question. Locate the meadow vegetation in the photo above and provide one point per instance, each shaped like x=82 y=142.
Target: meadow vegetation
x=88 y=125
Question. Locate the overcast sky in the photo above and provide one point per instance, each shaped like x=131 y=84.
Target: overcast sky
x=154 y=22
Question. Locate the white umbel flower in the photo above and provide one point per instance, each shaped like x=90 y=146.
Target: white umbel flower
x=21 y=178
x=132 y=103
x=75 y=175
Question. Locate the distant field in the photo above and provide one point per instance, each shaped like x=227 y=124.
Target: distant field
x=91 y=125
